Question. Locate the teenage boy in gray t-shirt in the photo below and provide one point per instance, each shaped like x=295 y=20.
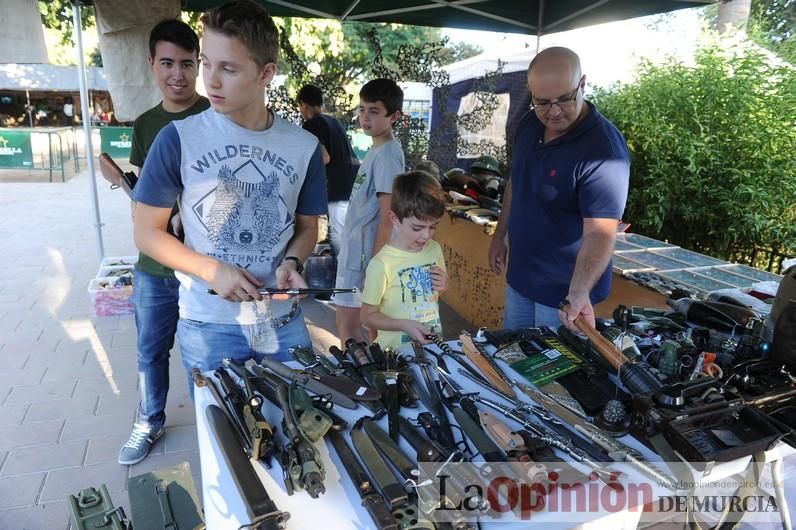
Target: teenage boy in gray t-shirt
x=367 y=223
x=250 y=187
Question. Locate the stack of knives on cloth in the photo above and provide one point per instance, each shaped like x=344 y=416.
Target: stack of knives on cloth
x=569 y=412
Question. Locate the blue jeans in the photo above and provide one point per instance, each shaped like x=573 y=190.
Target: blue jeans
x=204 y=345
x=156 y=314
x=520 y=312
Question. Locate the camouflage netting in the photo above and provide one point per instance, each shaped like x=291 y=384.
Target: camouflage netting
x=411 y=63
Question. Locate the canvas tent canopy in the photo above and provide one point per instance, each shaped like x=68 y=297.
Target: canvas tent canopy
x=535 y=17
x=50 y=77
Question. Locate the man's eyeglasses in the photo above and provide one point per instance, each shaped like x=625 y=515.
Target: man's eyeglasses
x=561 y=103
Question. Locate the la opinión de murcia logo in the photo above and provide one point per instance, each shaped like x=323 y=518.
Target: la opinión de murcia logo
x=504 y=494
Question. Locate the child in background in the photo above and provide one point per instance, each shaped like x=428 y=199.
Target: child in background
x=403 y=281
x=367 y=224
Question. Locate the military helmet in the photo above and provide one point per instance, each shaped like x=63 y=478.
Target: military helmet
x=486 y=163
x=452 y=173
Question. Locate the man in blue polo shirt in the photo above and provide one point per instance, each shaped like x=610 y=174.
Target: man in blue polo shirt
x=565 y=196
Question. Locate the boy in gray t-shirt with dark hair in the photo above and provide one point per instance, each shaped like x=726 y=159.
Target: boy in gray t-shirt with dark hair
x=367 y=224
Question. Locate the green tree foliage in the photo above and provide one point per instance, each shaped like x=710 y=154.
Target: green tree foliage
x=713 y=166
x=95 y=58
x=57 y=14
x=773 y=25
x=343 y=53
x=459 y=51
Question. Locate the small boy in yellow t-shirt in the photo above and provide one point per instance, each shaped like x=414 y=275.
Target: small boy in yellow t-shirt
x=403 y=281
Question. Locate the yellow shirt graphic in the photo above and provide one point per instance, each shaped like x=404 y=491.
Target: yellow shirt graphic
x=399 y=283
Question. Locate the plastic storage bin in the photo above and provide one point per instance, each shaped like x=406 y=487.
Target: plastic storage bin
x=115 y=271
x=111 y=296
x=119 y=261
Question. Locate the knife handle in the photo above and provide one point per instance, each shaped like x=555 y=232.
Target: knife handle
x=606 y=348
x=358 y=352
x=378 y=511
x=278 y=368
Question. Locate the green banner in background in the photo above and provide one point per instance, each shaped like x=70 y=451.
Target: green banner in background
x=15 y=149
x=116 y=141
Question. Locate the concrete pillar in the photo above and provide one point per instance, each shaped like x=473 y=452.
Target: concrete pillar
x=124 y=27
x=21 y=32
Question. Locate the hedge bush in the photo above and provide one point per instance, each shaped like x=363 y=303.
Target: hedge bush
x=713 y=151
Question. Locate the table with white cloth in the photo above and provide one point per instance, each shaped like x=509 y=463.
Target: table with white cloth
x=340 y=506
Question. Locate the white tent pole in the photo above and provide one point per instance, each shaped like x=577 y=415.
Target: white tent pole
x=81 y=76
x=540 y=26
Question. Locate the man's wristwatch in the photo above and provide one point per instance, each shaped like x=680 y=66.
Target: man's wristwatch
x=299 y=265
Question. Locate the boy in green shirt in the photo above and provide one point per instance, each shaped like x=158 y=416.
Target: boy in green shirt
x=174 y=60
x=403 y=281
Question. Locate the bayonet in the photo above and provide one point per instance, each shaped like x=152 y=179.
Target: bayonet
x=266 y=384
x=489 y=450
x=313 y=362
x=392 y=490
x=246 y=409
x=616 y=450
x=456 y=356
x=340 y=390
x=550 y=437
x=434 y=393
x=428 y=495
x=430 y=451
x=302 y=461
x=372 y=500
x=351 y=370
x=260 y=507
x=291 y=291
x=486 y=385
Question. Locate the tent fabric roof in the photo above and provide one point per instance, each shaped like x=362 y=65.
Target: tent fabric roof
x=511 y=16
x=18 y=76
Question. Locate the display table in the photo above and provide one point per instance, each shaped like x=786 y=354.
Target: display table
x=340 y=507
x=477 y=294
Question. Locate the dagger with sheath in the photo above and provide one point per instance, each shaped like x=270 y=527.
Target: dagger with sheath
x=372 y=500
x=261 y=509
x=427 y=495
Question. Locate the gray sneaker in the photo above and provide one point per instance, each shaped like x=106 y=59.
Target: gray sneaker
x=139 y=443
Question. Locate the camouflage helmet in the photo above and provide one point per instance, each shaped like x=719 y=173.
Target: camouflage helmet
x=486 y=163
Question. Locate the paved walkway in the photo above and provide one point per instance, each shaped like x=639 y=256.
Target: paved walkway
x=68 y=380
